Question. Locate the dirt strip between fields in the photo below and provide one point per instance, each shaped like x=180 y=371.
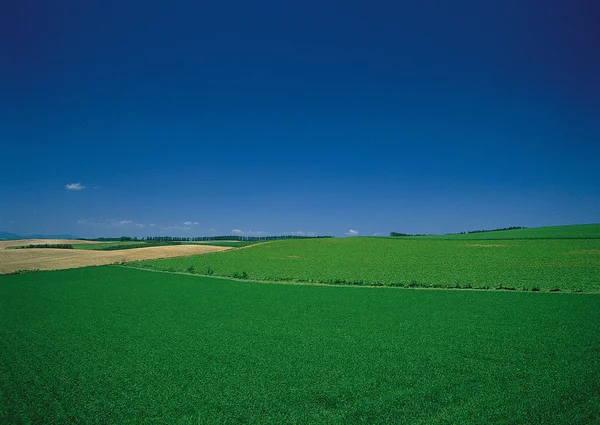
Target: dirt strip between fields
x=12 y=260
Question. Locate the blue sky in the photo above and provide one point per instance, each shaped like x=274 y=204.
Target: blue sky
x=311 y=117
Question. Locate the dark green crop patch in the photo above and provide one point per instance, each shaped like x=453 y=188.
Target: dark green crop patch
x=116 y=345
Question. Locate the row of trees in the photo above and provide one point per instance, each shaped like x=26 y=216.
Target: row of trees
x=488 y=230
x=151 y=239
x=461 y=233
x=229 y=238
x=136 y=245
x=47 y=245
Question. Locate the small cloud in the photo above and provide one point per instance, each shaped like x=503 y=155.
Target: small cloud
x=140 y=225
x=152 y=225
x=104 y=223
x=191 y=223
x=351 y=232
x=376 y=234
x=177 y=228
x=297 y=233
x=74 y=186
x=248 y=232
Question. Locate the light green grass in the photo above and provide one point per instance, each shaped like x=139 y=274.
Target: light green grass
x=233 y=244
x=576 y=231
x=561 y=264
x=114 y=345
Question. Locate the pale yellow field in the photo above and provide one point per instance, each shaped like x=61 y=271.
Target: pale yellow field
x=12 y=260
x=22 y=242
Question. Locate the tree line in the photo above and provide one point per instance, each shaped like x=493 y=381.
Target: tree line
x=230 y=238
x=489 y=230
x=460 y=233
x=47 y=245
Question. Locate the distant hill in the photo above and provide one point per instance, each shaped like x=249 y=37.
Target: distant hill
x=7 y=235
x=60 y=236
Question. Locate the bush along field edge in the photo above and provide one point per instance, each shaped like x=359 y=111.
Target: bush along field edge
x=244 y=276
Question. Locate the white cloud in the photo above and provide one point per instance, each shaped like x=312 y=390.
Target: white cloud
x=178 y=228
x=297 y=233
x=140 y=225
x=152 y=225
x=351 y=232
x=104 y=223
x=247 y=232
x=191 y=223
x=376 y=234
x=74 y=186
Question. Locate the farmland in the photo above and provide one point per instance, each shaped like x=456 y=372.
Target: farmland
x=115 y=345
x=119 y=245
x=110 y=245
x=232 y=244
x=575 y=231
x=13 y=260
x=521 y=264
x=8 y=244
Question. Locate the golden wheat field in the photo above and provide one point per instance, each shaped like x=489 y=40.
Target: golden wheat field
x=12 y=260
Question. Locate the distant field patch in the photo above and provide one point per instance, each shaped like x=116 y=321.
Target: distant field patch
x=109 y=245
x=22 y=242
x=576 y=231
x=12 y=260
x=233 y=244
x=515 y=264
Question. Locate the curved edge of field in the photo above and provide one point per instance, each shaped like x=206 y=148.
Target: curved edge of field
x=13 y=260
x=536 y=266
x=416 y=286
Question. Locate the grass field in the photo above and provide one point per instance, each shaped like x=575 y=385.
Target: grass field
x=100 y=246
x=114 y=345
x=232 y=244
x=552 y=264
x=576 y=231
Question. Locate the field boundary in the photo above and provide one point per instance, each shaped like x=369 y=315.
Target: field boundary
x=360 y=285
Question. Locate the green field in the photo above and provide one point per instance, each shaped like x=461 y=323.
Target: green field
x=233 y=244
x=101 y=246
x=576 y=231
x=550 y=264
x=115 y=345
